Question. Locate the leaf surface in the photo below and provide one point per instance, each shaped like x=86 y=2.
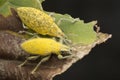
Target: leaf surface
x=75 y=29
x=5 y=5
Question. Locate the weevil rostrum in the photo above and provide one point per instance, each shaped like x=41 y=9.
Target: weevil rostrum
x=39 y=21
x=43 y=47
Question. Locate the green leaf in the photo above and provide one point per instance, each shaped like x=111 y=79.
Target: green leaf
x=5 y=5
x=76 y=30
x=2 y=2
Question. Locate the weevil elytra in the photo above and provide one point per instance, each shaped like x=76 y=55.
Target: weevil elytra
x=39 y=21
x=43 y=47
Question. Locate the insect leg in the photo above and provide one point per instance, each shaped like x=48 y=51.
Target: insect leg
x=29 y=58
x=34 y=35
x=25 y=27
x=64 y=41
x=37 y=66
x=22 y=64
x=64 y=57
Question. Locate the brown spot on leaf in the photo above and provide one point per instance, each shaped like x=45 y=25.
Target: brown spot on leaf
x=11 y=22
x=10 y=45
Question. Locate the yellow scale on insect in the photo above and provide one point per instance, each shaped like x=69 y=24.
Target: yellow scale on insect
x=43 y=24
x=39 y=21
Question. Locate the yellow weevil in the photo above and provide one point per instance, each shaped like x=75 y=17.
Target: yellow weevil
x=39 y=21
x=43 y=47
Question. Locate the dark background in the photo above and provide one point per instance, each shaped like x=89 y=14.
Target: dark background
x=103 y=62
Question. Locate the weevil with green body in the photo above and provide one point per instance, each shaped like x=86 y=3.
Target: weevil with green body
x=43 y=47
x=39 y=21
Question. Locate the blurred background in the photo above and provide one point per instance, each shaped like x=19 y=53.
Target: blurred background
x=103 y=62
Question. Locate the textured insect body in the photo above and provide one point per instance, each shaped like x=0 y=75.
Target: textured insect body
x=43 y=46
x=39 y=21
